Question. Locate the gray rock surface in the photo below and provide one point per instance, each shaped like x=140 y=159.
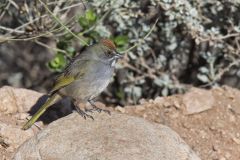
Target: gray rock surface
x=14 y=100
x=13 y=103
x=198 y=100
x=13 y=135
x=115 y=137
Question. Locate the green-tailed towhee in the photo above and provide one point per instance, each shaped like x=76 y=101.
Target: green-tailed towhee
x=86 y=76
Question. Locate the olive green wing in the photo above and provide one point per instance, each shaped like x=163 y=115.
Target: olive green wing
x=75 y=70
x=62 y=81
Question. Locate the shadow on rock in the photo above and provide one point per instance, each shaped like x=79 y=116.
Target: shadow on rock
x=60 y=109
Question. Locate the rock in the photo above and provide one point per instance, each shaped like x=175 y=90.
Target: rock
x=159 y=100
x=140 y=108
x=14 y=100
x=120 y=109
x=236 y=140
x=107 y=137
x=13 y=135
x=143 y=101
x=198 y=100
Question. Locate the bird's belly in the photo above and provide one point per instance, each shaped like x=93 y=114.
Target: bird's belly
x=87 y=88
x=97 y=87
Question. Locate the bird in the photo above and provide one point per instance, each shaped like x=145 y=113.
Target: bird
x=83 y=79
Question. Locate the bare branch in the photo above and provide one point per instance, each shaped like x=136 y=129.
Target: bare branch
x=142 y=39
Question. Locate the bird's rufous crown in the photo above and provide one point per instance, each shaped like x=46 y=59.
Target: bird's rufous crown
x=108 y=43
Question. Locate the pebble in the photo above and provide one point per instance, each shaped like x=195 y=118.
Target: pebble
x=236 y=140
x=139 y=108
x=22 y=116
x=120 y=109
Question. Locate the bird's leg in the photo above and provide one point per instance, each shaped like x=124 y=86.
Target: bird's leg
x=81 y=112
x=95 y=108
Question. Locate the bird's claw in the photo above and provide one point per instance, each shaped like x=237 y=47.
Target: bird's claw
x=83 y=114
x=99 y=110
x=106 y=111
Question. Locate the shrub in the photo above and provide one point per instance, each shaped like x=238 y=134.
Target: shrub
x=193 y=43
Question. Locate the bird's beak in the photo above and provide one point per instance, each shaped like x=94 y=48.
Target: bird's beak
x=118 y=55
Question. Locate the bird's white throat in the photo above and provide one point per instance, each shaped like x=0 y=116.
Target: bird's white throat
x=113 y=62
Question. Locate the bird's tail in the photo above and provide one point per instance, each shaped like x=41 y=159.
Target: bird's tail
x=51 y=100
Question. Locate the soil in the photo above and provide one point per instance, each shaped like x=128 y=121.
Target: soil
x=213 y=133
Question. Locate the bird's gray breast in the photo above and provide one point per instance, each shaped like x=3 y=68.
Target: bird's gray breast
x=94 y=81
x=102 y=79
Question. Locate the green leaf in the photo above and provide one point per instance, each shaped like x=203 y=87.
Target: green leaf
x=68 y=37
x=121 y=40
x=83 y=22
x=71 y=51
x=58 y=62
x=204 y=78
x=91 y=16
x=62 y=44
x=120 y=93
x=88 y=19
x=94 y=35
x=121 y=49
x=85 y=38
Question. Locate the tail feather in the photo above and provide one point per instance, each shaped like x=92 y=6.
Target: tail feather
x=43 y=108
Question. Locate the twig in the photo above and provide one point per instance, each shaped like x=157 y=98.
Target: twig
x=74 y=5
x=211 y=37
x=52 y=48
x=3 y=39
x=57 y=7
x=17 y=29
x=219 y=75
x=97 y=23
x=11 y=30
x=43 y=16
x=84 y=5
x=6 y=8
x=142 y=39
x=59 y=21
x=14 y=4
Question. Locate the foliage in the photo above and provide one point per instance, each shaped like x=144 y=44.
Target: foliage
x=194 y=42
x=89 y=33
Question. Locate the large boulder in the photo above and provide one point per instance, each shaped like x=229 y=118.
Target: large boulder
x=17 y=100
x=115 y=137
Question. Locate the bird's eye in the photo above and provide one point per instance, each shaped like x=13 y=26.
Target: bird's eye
x=109 y=53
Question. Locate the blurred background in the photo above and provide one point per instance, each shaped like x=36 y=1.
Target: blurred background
x=169 y=45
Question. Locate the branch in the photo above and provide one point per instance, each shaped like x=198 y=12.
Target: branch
x=220 y=74
x=59 y=21
x=142 y=39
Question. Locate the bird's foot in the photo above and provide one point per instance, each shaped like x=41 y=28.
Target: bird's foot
x=83 y=114
x=99 y=110
x=95 y=108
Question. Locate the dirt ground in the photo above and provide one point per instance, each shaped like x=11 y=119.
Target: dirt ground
x=212 y=131
x=214 y=134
